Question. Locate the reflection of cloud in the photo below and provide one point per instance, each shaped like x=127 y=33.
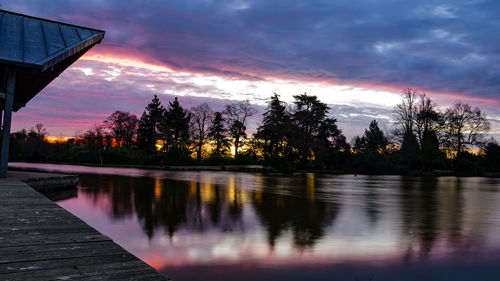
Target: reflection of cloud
x=404 y=222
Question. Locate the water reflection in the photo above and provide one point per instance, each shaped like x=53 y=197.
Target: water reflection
x=332 y=227
x=429 y=209
x=197 y=206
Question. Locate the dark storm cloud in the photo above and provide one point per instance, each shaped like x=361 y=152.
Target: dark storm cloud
x=437 y=46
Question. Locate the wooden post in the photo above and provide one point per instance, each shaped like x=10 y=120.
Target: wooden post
x=7 y=117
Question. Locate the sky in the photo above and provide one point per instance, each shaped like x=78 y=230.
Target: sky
x=355 y=55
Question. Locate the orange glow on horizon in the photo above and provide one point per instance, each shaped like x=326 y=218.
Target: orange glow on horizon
x=55 y=139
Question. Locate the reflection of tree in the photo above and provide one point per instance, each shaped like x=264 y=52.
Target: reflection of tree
x=172 y=206
x=167 y=203
x=431 y=209
x=116 y=188
x=428 y=226
x=144 y=205
x=305 y=218
x=371 y=198
x=214 y=206
x=419 y=214
x=199 y=206
x=166 y=207
x=455 y=229
x=236 y=205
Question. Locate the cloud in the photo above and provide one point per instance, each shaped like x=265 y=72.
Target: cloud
x=448 y=49
x=445 y=11
x=348 y=42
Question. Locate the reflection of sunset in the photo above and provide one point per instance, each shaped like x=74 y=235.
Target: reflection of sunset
x=158 y=189
x=310 y=186
x=208 y=218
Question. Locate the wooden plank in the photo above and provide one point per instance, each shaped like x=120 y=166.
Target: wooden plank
x=147 y=275
x=64 y=263
x=51 y=238
x=123 y=272
x=127 y=269
x=41 y=241
x=57 y=251
x=18 y=229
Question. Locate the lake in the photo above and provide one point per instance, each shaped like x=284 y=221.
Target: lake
x=243 y=226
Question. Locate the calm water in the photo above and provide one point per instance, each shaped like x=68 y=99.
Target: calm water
x=227 y=226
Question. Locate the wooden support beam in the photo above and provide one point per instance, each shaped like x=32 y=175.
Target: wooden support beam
x=7 y=118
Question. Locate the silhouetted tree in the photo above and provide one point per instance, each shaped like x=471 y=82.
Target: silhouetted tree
x=492 y=156
x=39 y=131
x=406 y=112
x=373 y=140
x=123 y=126
x=201 y=116
x=275 y=128
x=217 y=132
x=149 y=126
x=428 y=123
x=94 y=141
x=176 y=125
x=432 y=156
x=406 y=116
x=464 y=126
x=307 y=117
x=429 y=119
x=329 y=143
x=237 y=118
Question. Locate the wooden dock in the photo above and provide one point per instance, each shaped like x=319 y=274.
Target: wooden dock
x=40 y=240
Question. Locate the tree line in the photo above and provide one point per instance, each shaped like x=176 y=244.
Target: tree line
x=301 y=135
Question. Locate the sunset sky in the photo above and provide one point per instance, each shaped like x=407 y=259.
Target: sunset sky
x=355 y=55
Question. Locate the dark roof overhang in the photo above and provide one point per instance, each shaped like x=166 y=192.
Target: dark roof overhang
x=39 y=50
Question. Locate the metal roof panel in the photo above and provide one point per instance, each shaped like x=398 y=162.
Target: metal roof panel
x=33 y=41
x=11 y=47
x=33 y=35
x=70 y=35
x=53 y=37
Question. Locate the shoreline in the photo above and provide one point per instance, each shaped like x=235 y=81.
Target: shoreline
x=250 y=169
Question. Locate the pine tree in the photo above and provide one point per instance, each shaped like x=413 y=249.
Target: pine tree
x=148 y=131
x=275 y=128
x=176 y=124
x=217 y=132
x=375 y=138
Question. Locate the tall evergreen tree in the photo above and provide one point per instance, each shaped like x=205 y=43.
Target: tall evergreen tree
x=217 y=132
x=308 y=114
x=375 y=140
x=275 y=128
x=432 y=157
x=148 y=131
x=176 y=124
